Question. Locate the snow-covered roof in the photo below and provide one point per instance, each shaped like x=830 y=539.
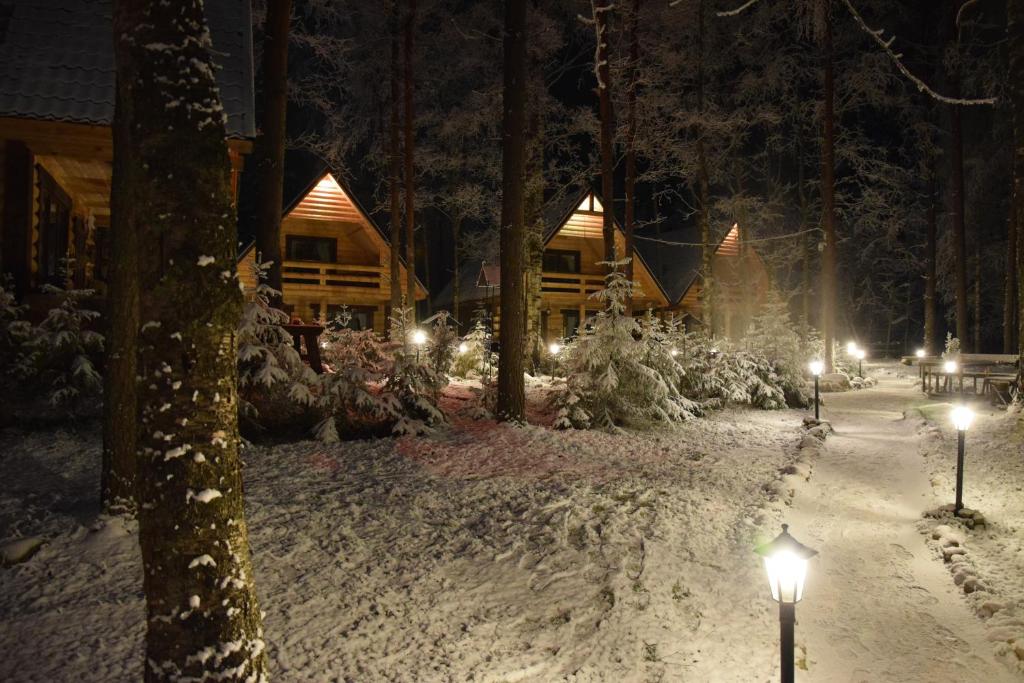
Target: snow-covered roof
x=57 y=61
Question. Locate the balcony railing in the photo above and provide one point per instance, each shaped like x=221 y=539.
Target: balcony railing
x=571 y=284
x=332 y=276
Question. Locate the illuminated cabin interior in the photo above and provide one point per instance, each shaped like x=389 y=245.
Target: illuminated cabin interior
x=333 y=255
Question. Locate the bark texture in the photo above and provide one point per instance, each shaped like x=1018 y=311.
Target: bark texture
x=607 y=144
x=1010 y=283
x=929 y=273
x=117 y=478
x=1015 y=79
x=828 y=190
x=203 y=621
x=410 y=179
x=631 y=171
x=511 y=391
x=707 y=290
x=956 y=201
x=269 y=148
x=395 y=166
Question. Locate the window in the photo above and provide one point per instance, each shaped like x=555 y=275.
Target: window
x=561 y=261
x=54 y=224
x=570 y=322
x=322 y=249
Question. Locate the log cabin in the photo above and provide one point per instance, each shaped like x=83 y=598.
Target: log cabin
x=740 y=277
x=333 y=253
x=56 y=110
x=571 y=272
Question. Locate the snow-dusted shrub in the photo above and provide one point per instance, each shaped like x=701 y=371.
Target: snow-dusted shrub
x=473 y=355
x=709 y=375
x=14 y=332
x=275 y=386
x=410 y=381
x=442 y=345
x=611 y=380
x=348 y=391
x=952 y=349
x=771 y=337
x=60 y=355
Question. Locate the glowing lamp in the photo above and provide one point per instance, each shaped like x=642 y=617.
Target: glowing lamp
x=851 y=347
x=463 y=347
x=861 y=354
x=674 y=352
x=785 y=562
x=817 y=367
x=419 y=337
x=962 y=417
x=949 y=367
x=919 y=353
x=554 y=348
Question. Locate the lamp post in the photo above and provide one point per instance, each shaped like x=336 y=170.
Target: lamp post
x=817 y=367
x=962 y=417
x=861 y=355
x=920 y=353
x=950 y=367
x=785 y=562
x=553 y=349
x=419 y=338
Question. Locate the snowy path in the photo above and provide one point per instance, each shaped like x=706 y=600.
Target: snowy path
x=879 y=605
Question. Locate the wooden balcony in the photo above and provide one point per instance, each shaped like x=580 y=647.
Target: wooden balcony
x=311 y=277
x=571 y=285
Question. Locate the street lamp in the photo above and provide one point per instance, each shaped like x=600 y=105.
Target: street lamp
x=463 y=347
x=554 y=348
x=851 y=348
x=950 y=367
x=817 y=367
x=920 y=353
x=785 y=562
x=861 y=355
x=419 y=338
x=674 y=352
x=962 y=417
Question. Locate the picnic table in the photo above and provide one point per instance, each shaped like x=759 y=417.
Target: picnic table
x=997 y=372
x=308 y=336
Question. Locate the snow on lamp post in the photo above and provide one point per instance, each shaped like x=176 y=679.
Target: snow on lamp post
x=419 y=338
x=861 y=355
x=785 y=562
x=553 y=349
x=962 y=417
x=817 y=367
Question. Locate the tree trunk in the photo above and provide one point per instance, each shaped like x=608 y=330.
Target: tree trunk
x=604 y=98
x=1010 y=286
x=269 y=148
x=118 y=475
x=977 y=297
x=533 y=217
x=1015 y=79
x=707 y=291
x=395 y=166
x=410 y=180
x=806 y=248
x=197 y=571
x=929 y=273
x=511 y=393
x=456 y=253
x=634 y=61
x=828 y=199
x=956 y=198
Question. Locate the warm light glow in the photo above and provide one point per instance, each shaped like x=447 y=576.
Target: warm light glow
x=419 y=337
x=323 y=345
x=714 y=350
x=861 y=354
x=949 y=367
x=674 y=352
x=962 y=417
x=817 y=367
x=463 y=347
x=554 y=348
x=920 y=353
x=786 y=575
x=851 y=347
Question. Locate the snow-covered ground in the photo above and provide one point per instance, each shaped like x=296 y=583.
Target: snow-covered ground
x=495 y=553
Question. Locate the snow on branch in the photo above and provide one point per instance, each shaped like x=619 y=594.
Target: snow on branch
x=897 y=59
x=732 y=12
x=599 y=29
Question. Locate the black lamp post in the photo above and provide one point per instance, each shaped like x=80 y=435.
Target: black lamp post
x=553 y=349
x=861 y=354
x=962 y=417
x=817 y=367
x=785 y=561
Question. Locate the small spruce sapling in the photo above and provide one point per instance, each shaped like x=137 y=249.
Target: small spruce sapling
x=475 y=357
x=409 y=381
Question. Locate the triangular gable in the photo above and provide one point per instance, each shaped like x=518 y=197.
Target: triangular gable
x=326 y=199
x=587 y=220
x=728 y=246
x=489 y=276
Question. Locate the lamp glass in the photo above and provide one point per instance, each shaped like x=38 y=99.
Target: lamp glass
x=817 y=367
x=554 y=348
x=949 y=367
x=861 y=354
x=463 y=347
x=851 y=347
x=962 y=417
x=786 y=574
x=419 y=337
x=920 y=353
x=674 y=352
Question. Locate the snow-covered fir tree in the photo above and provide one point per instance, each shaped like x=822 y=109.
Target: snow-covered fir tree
x=409 y=380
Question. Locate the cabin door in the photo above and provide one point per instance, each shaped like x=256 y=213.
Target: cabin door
x=54 y=223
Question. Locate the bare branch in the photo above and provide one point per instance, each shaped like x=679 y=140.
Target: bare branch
x=886 y=46
x=731 y=12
